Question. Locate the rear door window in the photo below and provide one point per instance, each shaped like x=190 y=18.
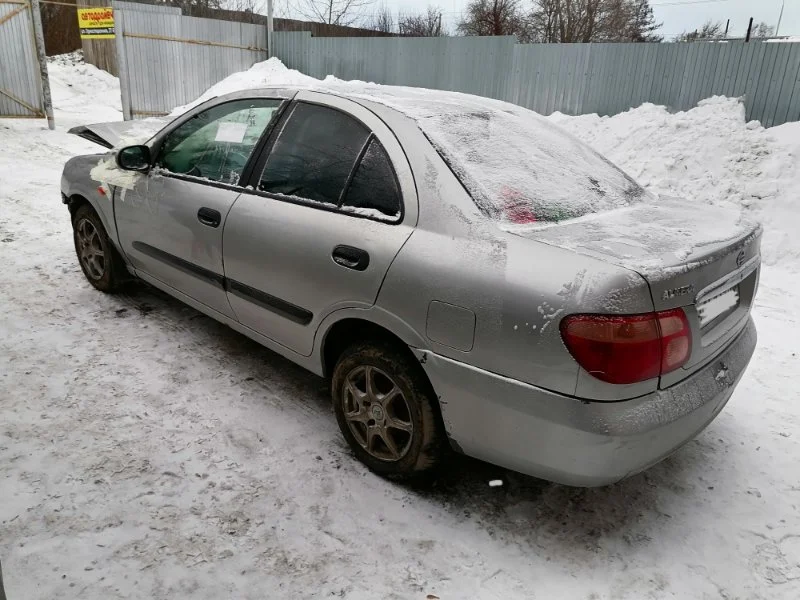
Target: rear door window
x=217 y=143
x=373 y=191
x=314 y=154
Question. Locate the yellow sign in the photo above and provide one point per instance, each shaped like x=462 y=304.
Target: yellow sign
x=96 y=23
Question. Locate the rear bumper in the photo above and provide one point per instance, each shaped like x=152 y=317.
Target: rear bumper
x=575 y=442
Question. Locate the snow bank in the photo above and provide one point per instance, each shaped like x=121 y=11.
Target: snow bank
x=708 y=154
x=269 y=73
x=82 y=89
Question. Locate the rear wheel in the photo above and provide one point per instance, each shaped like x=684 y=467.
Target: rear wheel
x=386 y=411
x=97 y=256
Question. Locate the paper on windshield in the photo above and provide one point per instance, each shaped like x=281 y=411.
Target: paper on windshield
x=231 y=132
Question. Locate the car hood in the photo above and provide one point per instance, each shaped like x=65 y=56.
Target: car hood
x=121 y=133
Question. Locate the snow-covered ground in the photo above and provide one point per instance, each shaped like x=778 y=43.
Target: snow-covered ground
x=149 y=452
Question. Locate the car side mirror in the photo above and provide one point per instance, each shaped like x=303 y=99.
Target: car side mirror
x=134 y=158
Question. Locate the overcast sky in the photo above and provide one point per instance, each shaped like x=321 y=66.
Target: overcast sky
x=677 y=15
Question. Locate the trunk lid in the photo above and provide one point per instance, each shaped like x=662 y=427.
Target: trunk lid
x=121 y=133
x=704 y=259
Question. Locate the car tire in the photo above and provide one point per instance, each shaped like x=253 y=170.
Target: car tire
x=99 y=260
x=393 y=425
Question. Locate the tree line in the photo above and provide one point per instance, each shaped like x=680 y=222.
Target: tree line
x=531 y=21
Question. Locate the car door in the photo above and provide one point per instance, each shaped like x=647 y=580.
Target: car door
x=334 y=201
x=171 y=222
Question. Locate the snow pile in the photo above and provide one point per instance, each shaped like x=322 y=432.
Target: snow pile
x=708 y=154
x=269 y=73
x=76 y=85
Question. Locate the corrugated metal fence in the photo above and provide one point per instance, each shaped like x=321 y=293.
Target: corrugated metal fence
x=570 y=78
x=20 y=83
x=166 y=59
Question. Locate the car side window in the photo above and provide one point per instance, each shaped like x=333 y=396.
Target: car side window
x=314 y=154
x=373 y=191
x=217 y=143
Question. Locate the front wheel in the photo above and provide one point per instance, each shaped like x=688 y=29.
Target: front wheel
x=96 y=254
x=386 y=411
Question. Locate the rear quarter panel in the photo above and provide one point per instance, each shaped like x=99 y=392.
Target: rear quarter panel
x=518 y=289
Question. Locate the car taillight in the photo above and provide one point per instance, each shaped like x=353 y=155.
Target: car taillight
x=629 y=348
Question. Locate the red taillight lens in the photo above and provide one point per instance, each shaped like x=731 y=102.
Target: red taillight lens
x=676 y=339
x=628 y=348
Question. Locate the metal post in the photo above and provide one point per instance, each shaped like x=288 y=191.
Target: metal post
x=2 y=589
x=749 y=29
x=38 y=37
x=269 y=29
x=778 y=26
x=728 y=24
x=122 y=64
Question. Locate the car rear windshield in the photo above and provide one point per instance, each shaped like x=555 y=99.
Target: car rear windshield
x=520 y=168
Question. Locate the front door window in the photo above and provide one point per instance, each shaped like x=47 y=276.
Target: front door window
x=217 y=143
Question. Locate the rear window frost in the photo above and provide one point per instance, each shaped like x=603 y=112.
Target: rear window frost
x=519 y=168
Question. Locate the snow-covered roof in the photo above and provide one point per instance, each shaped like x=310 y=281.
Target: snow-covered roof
x=517 y=165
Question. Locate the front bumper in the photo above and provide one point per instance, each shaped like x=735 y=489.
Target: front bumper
x=576 y=442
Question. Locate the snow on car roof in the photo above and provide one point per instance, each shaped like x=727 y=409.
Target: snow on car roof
x=517 y=165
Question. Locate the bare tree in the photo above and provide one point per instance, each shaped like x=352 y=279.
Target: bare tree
x=762 y=30
x=333 y=12
x=586 y=21
x=427 y=24
x=709 y=31
x=382 y=20
x=495 y=17
x=188 y=5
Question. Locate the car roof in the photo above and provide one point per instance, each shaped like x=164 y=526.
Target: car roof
x=413 y=102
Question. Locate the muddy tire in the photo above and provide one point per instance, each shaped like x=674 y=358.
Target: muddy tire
x=387 y=411
x=99 y=260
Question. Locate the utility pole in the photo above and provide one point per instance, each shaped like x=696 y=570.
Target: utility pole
x=270 y=31
x=728 y=24
x=749 y=29
x=778 y=26
x=38 y=38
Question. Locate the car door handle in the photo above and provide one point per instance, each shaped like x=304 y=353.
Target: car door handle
x=209 y=216
x=350 y=257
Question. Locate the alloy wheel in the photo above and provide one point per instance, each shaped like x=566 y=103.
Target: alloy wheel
x=377 y=413
x=90 y=249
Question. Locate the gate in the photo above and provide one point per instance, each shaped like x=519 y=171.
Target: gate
x=20 y=80
x=166 y=59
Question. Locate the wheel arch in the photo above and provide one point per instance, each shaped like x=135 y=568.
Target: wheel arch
x=382 y=327
x=346 y=326
x=79 y=198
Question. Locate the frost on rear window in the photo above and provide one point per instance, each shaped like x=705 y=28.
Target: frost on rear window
x=522 y=169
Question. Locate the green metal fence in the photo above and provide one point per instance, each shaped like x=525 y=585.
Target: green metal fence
x=570 y=78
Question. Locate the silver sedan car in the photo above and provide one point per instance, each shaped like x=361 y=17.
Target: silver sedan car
x=468 y=276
